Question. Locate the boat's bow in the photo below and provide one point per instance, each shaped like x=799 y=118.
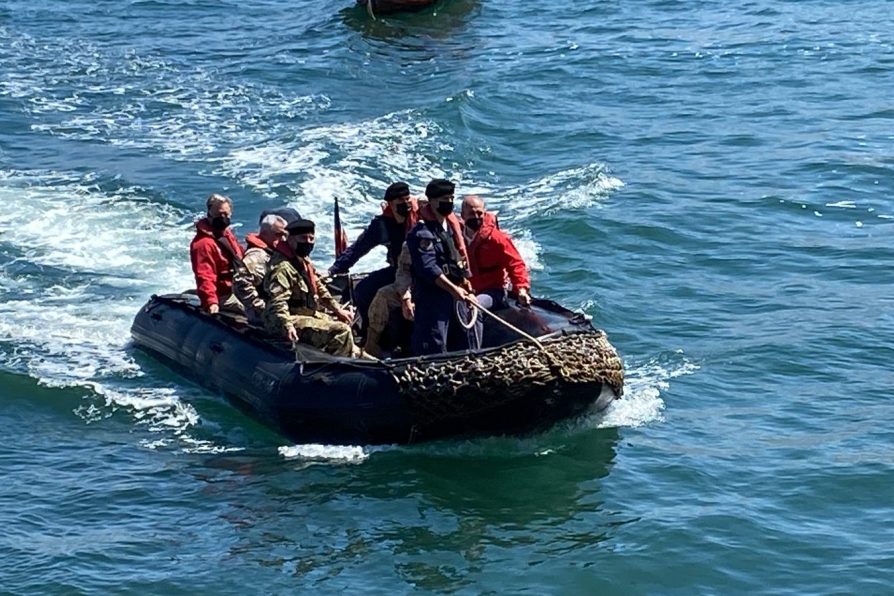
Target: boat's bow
x=519 y=385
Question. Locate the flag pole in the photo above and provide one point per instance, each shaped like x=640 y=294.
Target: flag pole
x=341 y=245
x=341 y=239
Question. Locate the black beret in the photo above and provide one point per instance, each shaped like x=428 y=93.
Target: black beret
x=396 y=191
x=289 y=214
x=300 y=226
x=439 y=188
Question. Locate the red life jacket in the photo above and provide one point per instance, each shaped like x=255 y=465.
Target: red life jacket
x=305 y=269
x=412 y=216
x=212 y=268
x=428 y=214
x=253 y=240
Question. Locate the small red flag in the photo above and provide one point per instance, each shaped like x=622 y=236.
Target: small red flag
x=341 y=238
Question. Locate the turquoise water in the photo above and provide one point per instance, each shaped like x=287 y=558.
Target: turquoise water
x=711 y=182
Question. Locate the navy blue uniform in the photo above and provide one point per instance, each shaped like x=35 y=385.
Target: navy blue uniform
x=433 y=253
x=381 y=230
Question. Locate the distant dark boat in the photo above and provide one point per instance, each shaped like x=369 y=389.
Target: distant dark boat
x=510 y=386
x=377 y=7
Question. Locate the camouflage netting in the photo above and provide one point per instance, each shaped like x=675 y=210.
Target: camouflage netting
x=466 y=384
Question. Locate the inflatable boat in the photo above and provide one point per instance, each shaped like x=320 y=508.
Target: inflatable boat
x=512 y=385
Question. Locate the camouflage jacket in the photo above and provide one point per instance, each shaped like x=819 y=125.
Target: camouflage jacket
x=248 y=280
x=403 y=277
x=290 y=292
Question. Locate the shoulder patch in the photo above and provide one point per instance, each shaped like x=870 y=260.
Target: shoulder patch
x=426 y=244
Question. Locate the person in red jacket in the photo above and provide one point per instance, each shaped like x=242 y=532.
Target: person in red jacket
x=493 y=258
x=213 y=251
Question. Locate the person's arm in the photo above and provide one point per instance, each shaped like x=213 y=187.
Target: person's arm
x=374 y=235
x=458 y=292
x=205 y=271
x=423 y=259
x=515 y=266
x=248 y=276
x=278 y=285
x=403 y=277
x=326 y=299
x=403 y=281
x=425 y=265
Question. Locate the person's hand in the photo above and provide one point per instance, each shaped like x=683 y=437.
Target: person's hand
x=213 y=309
x=292 y=334
x=408 y=309
x=345 y=315
x=523 y=297
x=468 y=297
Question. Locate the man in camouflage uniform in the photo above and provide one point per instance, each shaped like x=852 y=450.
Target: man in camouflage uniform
x=296 y=298
x=248 y=278
x=387 y=300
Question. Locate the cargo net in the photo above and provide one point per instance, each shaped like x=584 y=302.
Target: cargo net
x=475 y=382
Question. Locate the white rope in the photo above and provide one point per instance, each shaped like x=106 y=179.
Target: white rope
x=475 y=337
x=472 y=320
x=509 y=325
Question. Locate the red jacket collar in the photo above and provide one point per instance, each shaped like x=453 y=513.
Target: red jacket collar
x=488 y=227
x=387 y=211
x=254 y=240
x=411 y=218
x=203 y=227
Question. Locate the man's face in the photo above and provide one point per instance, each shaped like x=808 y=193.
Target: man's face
x=279 y=230
x=400 y=201
x=444 y=200
x=220 y=209
x=472 y=210
x=296 y=239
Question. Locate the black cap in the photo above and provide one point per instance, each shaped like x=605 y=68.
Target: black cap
x=396 y=191
x=300 y=226
x=289 y=214
x=439 y=187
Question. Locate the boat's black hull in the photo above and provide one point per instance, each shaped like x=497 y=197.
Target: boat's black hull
x=391 y=6
x=343 y=401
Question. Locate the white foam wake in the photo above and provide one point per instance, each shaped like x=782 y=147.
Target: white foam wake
x=246 y=132
x=643 y=385
x=76 y=278
x=314 y=452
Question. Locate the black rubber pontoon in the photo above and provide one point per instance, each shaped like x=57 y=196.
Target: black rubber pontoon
x=513 y=386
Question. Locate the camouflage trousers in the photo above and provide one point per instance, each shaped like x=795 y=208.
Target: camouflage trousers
x=330 y=336
x=231 y=304
x=386 y=300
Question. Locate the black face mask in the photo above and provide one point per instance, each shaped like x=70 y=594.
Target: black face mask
x=303 y=249
x=474 y=224
x=402 y=209
x=445 y=207
x=220 y=223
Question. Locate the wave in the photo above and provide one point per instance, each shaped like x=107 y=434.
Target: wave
x=73 y=263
